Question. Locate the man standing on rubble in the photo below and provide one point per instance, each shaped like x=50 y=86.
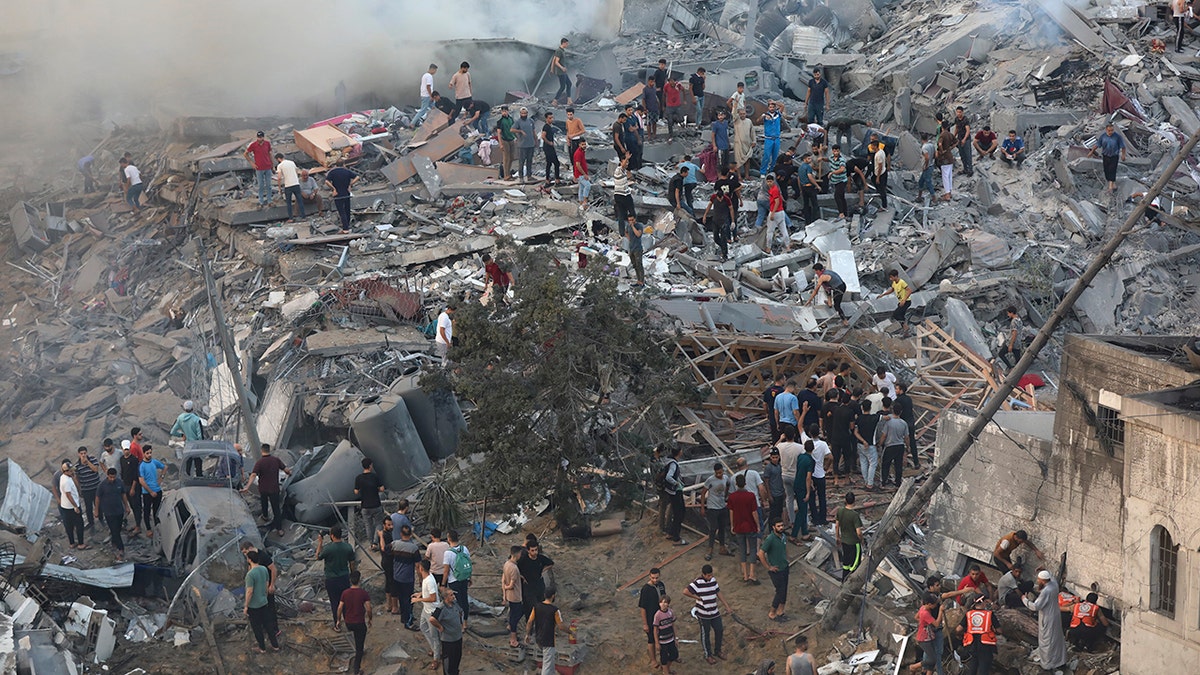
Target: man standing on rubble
x=450 y=621
x=652 y=592
x=339 y=559
x=865 y=426
x=769 y=396
x=1111 y=146
x=150 y=474
x=109 y=457
x=527 y=144
x=1179 y=15
x=548 y=150
x=743 y=144
x=902 y=404
x=720 y=138
x=925 y=183
x=255 y=606
x=697 y=81
x=787 y=409
x=558 y=67
x=633 y=240
x=405 y=556
x=903 y=293
x=771 y=123
x=426 y=94
x=806 y=175
x=1012 y=343
x=458 y=573
x=962 y=134
x=979 y=636
x=87 y=475
x=834 y=287
x=368 y=487
x=112 y=504
x=945 y=159
x=882 y=170
x=340 y=180
x=130 y=472
x=444 y=337
x=532 y=567
x=460 y=82
x=508 y=142
x=776 y=219
x=289 y=182
x=713 y=507
x=773 y=556
x=188 y=424
x=718 y=215
x=672 y=484
x=892 y=436
x=267 y=470
x=575 y=133
x=816 y=101
x=1052 y=648
x=675 y=192
x=743 y=517
x=579 y=169
x=132 y=183
x=70 y=507
x=838 y=175
x=623 y=195
x=258 y=153
x=635 y=138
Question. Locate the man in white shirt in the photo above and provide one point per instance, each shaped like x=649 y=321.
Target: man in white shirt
x=817 y=504
x=789 y=451
x=288 y=176
x=883 y=379
x=445 y=334
x=70 y=507
x=428 y=595
x=426 y=95
x=133 y=184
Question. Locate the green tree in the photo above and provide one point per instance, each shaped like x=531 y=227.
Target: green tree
x=573 y=375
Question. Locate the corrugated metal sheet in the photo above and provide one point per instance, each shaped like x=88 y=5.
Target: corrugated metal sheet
x=24 y=503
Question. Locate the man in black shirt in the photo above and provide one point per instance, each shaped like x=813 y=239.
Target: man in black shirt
x=675 y=192
x=841 y=435
x=479 y=112
x=864 y=433
x=859 y=171
x=531 y=566
x=902 y=406
x=660 y=82
x=442 y=103
x=810 y=403
x=729 y=178
x=368 y=487
x=111 y=506
x=544 y=621
x=698 y=81
x=768 y=399
x=547 y=136
x=785 y=173
x=651 y=593
x=130 y=472
x=618 y=136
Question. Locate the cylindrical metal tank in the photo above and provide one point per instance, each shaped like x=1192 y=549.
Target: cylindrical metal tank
x=333 y=482
x=387 y=434
x=436 y=414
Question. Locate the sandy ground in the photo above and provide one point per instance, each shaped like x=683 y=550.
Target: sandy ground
x=588 y=575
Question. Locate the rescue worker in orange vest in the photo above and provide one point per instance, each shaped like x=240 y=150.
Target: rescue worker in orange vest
x=979 y=636
x=1002 y=554
x=1088 y=623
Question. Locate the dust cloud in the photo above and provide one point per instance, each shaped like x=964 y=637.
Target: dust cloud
x=95 y=64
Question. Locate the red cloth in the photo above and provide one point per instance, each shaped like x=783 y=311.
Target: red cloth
x=261 y=149
x=579 y=162
x=498 y=276
x=355 y=605
x=743 y=506
x=1030 y=378
x=709 y=163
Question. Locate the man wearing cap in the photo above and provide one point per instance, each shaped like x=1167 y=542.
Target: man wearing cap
x=1052 y=648
x=526 y=143
x=258 y=153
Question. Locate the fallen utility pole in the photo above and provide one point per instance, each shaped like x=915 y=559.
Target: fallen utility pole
x=231 y=359
x=889 y=535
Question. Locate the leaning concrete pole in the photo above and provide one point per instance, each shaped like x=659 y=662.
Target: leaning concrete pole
x=751 y=25
x=890 y=535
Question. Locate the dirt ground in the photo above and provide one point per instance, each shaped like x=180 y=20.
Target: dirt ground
x=587 y=574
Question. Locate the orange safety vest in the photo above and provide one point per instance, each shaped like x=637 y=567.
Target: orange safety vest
x=1065 y=600
x=1086 y=613
x=979 y=622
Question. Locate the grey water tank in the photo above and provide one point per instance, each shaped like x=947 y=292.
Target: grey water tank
x=437 y=415
x=333 y=482
x=387 y=434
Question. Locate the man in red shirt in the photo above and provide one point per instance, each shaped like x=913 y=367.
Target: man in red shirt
x=743 y=516
x=674 y=98
x=579 y=168
x=776 y=216
x=976 y=581
x=499 y=278
x=258 y=153
x=135 y=442
x=354 y=610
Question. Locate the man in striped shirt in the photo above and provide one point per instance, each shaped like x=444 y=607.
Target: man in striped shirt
x=623 y=194
x=706 y=592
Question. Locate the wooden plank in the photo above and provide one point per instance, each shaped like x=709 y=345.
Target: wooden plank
x=629 y=94
x=705 y=431
x=662 y=564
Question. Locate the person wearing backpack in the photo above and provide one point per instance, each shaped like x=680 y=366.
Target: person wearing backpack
x=458 y=571
x=672 y=484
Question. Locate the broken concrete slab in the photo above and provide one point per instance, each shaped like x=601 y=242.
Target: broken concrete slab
x=842 y=262
x=28 y=228
x=987 y=249
x=731 y=287
x=454 y=173
x=428 y=173
x=434 y=253
x=776 y=320
x=339 y=342
x=438 y=147
x=92 y=403
x=1097 y=305
x=962 y=326
x=1181 y=114
x=1072 y=23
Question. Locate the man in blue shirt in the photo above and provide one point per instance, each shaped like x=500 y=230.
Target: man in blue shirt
x=816 y=100
x=149 y=474
x=650 y=100
x=1111 y=146
x=806 y=175
x=690 y=180
x=633 y=138
x=720 y=138
x=787 y=407
x=1013 y=149
x=771 y=122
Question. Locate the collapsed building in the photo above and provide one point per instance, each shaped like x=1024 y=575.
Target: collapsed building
x=112 y=324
